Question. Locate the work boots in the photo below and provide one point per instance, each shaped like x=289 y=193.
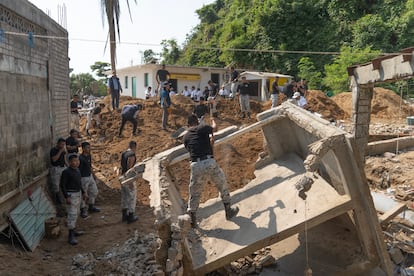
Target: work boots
x=230 y=212
x=124 y=215
x=84 y=213
x=71 y=238
x=93 y=209
x=78 y=233
x=132 y=218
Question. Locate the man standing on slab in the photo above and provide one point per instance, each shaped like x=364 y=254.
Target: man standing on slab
x=204 y=167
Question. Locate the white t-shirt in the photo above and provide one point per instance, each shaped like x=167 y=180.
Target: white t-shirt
x=302 y=101
x=186 y=93
x=223 y=92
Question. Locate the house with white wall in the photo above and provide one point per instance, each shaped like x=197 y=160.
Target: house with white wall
x=136 y=79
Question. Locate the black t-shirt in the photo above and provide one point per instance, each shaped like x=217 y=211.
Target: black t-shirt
x=61 y=161
x=275 y=88
x=244 y=89
x=234 y=76
x=213 y=90
x=289 y=90
x=70 y=141
x=302 y=89
x=70 y=181
x=197 y=141
x=124 y=160
x=200 y=110
x=162 y=74
x=97 y=110
x=85 y=166
x=74 y=104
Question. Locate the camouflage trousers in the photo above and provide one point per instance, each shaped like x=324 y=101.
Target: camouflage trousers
x=74 y=121
x=55 y=174
x=201 y=172
x=129 y=196
x=90 y=188
x=73 y=209
x=245 y=103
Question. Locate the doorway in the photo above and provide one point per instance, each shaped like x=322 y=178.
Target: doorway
x=134 y=87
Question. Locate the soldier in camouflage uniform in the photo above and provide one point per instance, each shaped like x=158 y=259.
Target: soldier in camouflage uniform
x=129 y=190
x=204 y=167
x=58 y=162
x=71 y=186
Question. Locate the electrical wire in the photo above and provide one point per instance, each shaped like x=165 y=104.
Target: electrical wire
x=195 y=47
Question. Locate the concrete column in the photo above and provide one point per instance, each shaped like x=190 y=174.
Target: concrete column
x=264 y=93
x=361 y=115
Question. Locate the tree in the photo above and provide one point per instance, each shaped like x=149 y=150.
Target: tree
x=336 y=73
x=99 y=68
x=170 y=51
x=149 y=56
x=111 y=9
x=85 y=84
x=308 y=71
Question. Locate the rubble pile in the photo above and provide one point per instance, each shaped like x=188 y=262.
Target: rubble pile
x=385 y=104
x=248 y=265
x=134 y=257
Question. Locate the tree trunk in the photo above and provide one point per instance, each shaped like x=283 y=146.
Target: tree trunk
x=112 y=41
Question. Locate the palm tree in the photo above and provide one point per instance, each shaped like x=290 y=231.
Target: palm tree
x=111 y=9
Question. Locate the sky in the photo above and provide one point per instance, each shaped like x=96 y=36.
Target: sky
x=152 y=21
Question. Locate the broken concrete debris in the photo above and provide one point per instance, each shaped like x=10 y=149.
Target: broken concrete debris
x=134 y=257
x=250 y=264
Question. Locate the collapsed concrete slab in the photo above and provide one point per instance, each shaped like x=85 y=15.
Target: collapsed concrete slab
x=271 y=209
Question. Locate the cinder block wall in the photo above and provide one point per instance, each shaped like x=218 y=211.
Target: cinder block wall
x=34 y=98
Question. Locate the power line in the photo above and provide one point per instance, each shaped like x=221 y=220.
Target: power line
x=194 y=47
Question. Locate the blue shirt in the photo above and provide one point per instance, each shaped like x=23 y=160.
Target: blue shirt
x=166 y=95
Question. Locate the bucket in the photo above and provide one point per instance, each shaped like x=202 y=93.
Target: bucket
x=410 y=120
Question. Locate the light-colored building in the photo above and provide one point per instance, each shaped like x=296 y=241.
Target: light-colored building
x=262 y=82
x=136 y=79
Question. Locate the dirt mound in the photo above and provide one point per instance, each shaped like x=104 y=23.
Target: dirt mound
x=320 y=103
x=385 y=104
x=107 y=147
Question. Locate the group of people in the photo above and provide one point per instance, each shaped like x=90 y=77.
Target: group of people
x=296 y=92
x=73 y=181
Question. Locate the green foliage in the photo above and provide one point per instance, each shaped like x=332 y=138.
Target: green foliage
x=307 y=70
x=170 y=51
x=371 y=30
x=336 y=76
x=149 y=56
x=245 y=32
x=85 y=84
x=99 y=68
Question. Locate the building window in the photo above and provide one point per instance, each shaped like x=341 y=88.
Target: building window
x=126 y=82
x=146 y=82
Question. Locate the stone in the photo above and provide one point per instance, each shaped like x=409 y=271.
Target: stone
x=184 y=222
x=172 y=253
x=267 y=261
x=175 y=228
x=169 y=266
x=180 y=271
x=396 y=255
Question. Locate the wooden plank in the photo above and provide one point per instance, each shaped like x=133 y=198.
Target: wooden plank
x=270 y=211
x=392 y=213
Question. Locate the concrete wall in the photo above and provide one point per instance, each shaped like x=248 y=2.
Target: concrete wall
x=34 y=98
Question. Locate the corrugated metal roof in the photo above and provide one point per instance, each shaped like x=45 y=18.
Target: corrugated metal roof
x=29 y=217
